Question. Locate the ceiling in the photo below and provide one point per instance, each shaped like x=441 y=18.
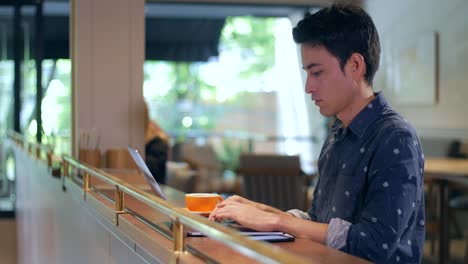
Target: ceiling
x=165 y=20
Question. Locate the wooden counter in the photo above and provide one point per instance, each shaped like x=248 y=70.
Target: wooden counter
x=215 y=251
x=59 y=223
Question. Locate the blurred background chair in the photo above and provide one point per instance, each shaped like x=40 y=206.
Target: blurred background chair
x=181 y=177
x=276 y=180
x=203 y=160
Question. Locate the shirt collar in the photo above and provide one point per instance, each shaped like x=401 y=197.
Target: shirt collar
x=368 y=115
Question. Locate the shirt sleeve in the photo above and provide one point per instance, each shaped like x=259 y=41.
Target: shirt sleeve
x=299 y=214
x=337 y=233
x=395 y=184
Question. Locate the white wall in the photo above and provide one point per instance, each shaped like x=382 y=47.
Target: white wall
x=107 y=48
x=402 y=21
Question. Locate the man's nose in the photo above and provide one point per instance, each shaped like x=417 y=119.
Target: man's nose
x=310 y=86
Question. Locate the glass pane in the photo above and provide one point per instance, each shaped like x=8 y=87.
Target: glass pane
x=28 y=71
x=56 y=105
x=56 y=79
x=248 y=98
x=6 y=69
x=7 y=164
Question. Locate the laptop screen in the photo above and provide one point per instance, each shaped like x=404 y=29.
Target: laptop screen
x=146 y=172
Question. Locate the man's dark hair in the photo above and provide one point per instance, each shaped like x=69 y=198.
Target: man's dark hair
x=342 y=30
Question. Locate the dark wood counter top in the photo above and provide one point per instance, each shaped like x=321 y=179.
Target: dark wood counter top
x=207 y=248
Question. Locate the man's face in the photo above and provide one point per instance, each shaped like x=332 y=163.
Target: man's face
x=330 y=88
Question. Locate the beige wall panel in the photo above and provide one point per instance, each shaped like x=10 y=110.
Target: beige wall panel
x=51 y=229
x=137 y=58
x=120 y=253
x=278 y=2
x=108 y=56
x=401 y=21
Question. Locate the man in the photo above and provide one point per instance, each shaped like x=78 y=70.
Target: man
x=369 y=199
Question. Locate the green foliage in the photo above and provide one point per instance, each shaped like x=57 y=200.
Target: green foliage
x=230 y=153
x=185 y=99
x=254 y=38
x=251 y=38
x=63 y=74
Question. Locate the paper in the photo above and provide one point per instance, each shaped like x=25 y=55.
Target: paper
x=273 y=236
x=248 y=233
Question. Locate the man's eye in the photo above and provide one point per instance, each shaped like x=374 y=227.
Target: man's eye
x=317 y=73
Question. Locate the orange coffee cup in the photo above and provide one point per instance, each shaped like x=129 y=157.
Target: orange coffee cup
x=202 y=202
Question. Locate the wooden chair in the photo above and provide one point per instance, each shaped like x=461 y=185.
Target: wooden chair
x=276 y=180
x=209 y=171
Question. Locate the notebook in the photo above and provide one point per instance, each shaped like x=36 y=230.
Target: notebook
x=269 y=236
x=273 y=236
x=141 y=165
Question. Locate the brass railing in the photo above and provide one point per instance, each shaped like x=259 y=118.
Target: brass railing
x=33 y=148
x=180 y=217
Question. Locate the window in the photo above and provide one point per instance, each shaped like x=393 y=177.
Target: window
x=252 y=90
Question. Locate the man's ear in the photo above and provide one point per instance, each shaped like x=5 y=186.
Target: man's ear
x=356 y=66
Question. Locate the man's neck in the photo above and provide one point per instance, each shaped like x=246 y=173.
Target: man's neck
x=361 y=100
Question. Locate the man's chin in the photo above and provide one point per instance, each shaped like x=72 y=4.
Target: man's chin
x=325 y=113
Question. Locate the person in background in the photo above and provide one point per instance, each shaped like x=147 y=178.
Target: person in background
x=157 y=148
x=369 y=198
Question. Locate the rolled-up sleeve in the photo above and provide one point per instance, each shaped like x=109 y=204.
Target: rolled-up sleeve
x=337 y=233
x=299 y=214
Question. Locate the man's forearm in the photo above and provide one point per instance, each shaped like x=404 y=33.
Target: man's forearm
x=301 y=228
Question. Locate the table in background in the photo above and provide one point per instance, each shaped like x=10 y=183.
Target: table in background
x=443 y=171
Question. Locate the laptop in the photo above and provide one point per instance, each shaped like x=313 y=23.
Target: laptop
x=146 y=172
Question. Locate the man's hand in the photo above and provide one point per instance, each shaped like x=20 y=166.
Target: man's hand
x=239 y=199
x=260 y=206
x=245 y=213
x=262 y=217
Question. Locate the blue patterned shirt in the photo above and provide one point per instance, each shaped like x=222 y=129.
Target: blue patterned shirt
x=370 y=187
